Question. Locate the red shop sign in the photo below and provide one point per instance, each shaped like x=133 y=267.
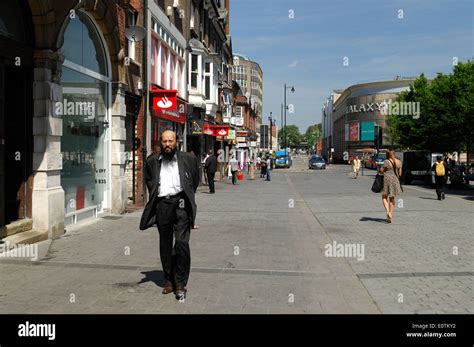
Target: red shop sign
x=221 y=130
x=176 y=114
x=208 y=129
x=164 y=100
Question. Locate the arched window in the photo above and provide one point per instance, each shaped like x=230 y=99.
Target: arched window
x=84 y=107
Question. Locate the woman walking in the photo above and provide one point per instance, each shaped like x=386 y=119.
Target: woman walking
x=391 y=169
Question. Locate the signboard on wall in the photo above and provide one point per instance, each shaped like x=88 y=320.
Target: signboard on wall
x=367 y=131
x=354 y=131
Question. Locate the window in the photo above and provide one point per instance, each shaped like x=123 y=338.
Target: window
x=194 y=71
x=84 y=83
x=164 y=66
x=207 y=80
x=172 y=71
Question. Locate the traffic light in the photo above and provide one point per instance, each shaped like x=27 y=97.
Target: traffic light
x=378 y=137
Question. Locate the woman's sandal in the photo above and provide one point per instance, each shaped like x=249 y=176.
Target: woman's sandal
x=389 y=219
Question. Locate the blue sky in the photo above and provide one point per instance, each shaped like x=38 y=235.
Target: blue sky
x=308 y=50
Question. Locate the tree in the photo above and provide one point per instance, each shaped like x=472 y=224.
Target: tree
x=293 y=138
x=446 y=120
x=313 y=134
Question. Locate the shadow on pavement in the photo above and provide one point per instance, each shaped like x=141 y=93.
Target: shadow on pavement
x=421 y=197
x=370 y=219
x=155 y=276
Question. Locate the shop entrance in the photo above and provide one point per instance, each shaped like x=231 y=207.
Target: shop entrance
x=15 y=143
x=16 y=111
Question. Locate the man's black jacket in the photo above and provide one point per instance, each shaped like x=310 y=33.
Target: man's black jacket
x=211 y=164
x=189 y=178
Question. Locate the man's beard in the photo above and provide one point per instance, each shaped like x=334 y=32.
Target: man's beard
x=168 y=155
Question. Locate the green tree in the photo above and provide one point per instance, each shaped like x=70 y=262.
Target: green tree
x=446 y=120
x=313 y=134
x=293 y=138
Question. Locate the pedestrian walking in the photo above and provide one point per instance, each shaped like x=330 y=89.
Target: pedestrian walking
x=392 y=170
x=356 y=166
x=211 y=167
x=263 y=168
x=203 y=168
x=440 y=170
x=259 y=161
x=269 y=166
x=234 y=168
x=172 y=178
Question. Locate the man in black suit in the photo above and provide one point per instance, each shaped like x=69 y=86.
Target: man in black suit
x=211 y=167
x=172 y=178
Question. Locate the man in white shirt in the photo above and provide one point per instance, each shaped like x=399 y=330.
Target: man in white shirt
x=172 y=178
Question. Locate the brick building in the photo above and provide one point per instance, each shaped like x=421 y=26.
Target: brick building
x=64 y=73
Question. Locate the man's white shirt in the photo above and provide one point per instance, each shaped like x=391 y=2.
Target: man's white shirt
x=170 y=183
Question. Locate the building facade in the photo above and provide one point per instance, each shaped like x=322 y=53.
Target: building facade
x=249 y=76
x=359 y=116
x=75 y=84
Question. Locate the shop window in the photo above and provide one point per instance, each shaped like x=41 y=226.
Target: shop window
x=84 y=110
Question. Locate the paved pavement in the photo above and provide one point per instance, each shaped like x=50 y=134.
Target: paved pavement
x=263 y=247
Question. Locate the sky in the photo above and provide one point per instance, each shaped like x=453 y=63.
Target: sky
x=303 y=43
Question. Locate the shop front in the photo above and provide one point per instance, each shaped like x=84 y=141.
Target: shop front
x=162 y=119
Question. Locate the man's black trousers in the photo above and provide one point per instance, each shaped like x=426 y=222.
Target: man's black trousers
x=440 y=181
x=210 y=180
x=173 y=216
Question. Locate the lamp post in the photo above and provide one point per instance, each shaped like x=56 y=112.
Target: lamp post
x=271 y=125
x=281 y=124
x=284 y=100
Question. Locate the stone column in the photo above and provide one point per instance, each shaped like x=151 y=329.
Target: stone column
x=119 y=180
x=48 y=195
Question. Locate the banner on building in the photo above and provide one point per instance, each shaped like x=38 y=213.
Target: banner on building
x=367 y=131
x=354 y=131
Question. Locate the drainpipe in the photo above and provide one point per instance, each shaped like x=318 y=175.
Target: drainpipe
x=146 y=99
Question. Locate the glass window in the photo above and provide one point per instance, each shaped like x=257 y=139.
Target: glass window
x=164 y=65
x=194 y=70
x=83 y=108
x=82 y=44
x=172 y=71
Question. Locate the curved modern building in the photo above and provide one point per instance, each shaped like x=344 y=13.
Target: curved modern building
x=354 y=117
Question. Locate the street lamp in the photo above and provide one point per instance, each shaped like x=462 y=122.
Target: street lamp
x=271 y=125
x=284 y=98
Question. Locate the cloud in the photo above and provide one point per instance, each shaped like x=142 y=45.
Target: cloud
x=293 y=64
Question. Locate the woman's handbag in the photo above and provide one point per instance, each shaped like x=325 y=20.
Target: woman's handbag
x=377 y=186
x=240 y=176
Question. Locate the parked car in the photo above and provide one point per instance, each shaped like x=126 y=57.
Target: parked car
x=316 y=162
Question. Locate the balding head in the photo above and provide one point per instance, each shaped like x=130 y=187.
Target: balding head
x=169 y=143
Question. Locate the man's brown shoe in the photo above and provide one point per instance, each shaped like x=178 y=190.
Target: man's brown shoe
x=180 y=292
x=168 y=288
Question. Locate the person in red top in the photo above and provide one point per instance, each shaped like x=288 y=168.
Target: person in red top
x=440 y=170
